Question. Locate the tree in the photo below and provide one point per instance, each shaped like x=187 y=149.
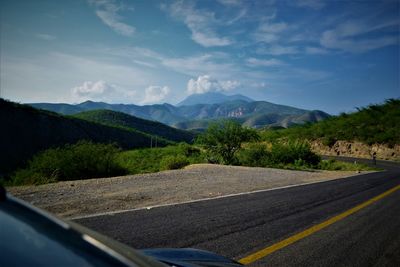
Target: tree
x=224 y=139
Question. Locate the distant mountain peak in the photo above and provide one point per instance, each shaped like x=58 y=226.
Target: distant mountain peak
x=212 y=98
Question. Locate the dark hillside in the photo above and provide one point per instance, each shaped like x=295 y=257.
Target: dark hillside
x=119 y=119
x=26 y=130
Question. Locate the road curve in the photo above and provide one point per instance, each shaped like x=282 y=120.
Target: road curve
x=242 y=225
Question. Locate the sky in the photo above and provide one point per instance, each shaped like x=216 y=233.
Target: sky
x=329 y=55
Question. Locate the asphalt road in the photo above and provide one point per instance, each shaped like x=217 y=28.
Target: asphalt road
x=238 y=226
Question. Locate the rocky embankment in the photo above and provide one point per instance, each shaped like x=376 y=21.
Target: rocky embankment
x=357 y=149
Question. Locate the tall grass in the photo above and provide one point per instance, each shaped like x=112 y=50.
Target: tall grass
x=335 y=165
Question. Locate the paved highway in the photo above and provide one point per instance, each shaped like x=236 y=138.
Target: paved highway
x=273 y=228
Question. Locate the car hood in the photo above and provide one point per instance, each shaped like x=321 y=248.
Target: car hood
x=188 y=257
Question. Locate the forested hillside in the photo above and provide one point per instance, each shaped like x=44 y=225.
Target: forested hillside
x=119 y=119
x=373 y=124
x=27 y=130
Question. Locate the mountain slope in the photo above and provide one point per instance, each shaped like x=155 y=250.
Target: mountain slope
x=259 y=120
x=119 y=119
x=28 y=130
x=61 y=108
x=212 y=98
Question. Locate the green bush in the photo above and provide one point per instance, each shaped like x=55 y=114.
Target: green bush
x=149 y=159
x=256 y=155
x=328 y=141
x=291 y=152
x=82 y=160
x=223 y=139
x=189 y=150
x=296 y=154
x=174 y=162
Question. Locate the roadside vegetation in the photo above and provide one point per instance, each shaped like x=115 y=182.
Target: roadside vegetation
x=370 y=125
x=82 y=160
x=86 y=160
x=224 y=143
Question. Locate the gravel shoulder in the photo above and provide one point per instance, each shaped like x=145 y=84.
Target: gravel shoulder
x=86 y=197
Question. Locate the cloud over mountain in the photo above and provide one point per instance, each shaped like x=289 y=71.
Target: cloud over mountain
x=155 y=94
x=100 y=91
x=206 y=83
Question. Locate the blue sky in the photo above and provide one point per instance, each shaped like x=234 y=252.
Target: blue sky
x=313 y=54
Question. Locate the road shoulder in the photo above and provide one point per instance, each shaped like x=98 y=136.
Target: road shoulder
x=196 y=182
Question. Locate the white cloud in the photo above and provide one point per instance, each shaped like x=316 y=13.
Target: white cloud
x=107 y=11
x=229 y=85
x=206 y=83
x=255 y=62
x=273 y=27
x=200 y=22
x=155 y=94
x=269 y=32
x=200 y=65
x=350 y=36
x=217 y=63
x=99 y=90
x=207 y=38
x=258 y=85
x=46 y=37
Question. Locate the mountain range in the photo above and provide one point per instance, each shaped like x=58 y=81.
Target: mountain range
x=196 y=111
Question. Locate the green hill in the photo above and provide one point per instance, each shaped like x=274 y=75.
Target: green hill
x=119 y=119
x=26 y=131
x=372 y=124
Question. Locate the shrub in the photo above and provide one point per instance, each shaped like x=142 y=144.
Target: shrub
x=149 y=159
x=256 y=155
x=82 y=160
x=290 y=152
x=328 y=141
x=224 y=139
x=174 y=162
x=189 y=150
x=296 y=154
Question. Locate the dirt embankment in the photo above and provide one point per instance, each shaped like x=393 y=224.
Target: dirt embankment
x=357 y=149
x=85 y=197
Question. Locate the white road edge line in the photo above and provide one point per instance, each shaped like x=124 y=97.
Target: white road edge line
x=200 y=200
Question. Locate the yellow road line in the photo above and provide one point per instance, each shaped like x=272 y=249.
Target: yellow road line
x=288 y=241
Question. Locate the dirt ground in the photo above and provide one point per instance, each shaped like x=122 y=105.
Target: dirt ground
x=86 y=197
